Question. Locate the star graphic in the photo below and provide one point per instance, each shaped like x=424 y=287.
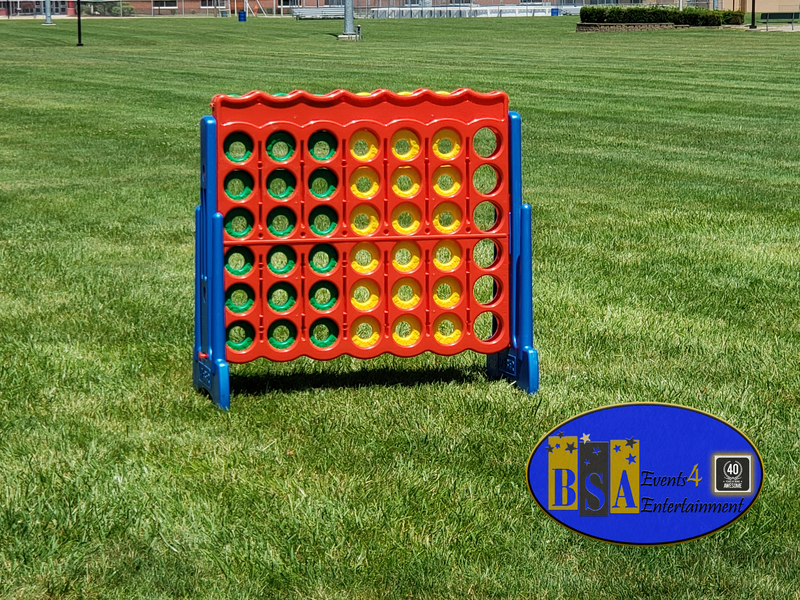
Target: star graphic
x=630 y=442
x=549 y=449
x=631 y=458
x=586 y=463
x=616 y=448
x=585 y=438
x=596 y=451
x=560 y=434
x=570 y=447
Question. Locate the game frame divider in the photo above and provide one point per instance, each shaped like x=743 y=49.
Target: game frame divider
x=210 y=369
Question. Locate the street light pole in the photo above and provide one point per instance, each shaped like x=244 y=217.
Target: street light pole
x=753 y=16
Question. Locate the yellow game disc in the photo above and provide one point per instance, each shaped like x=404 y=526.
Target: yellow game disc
x=446 y=144
x=364 y=145
x=405 y=182
x=446 y=255
x=447 y=329
x=405 y=257
x=406 y=331
x=365 y=294
x=446 y=180
x=405 y=144
x=364 y=220
x=406 y=293
x=365 y=332
x=453 y=221
x=407 y=214
x=364 y=182
x=364 y=258
x=443 y=300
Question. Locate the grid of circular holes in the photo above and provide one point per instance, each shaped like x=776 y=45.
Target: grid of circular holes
x=364 y=182
x=364 y=145
x=486 y=326
x=485 y=142
x=364 y=220
x=405 y=144
x=485 y=179
x=446 y=180
x=365 y=332
x=485 y=253
x=406 y=219
x=238 y=147
x=406 y=182
x=365 y=258
x=282 y=297
x=447 y=217
x=281 y=184
x=238 y=222
x=322 y=182
x=406 y=293
x=446 y=144
x=485 y=216
x=239 y=298
x=238 y=185
x=239 y=261
x=324 y=333
x=323 y=295
x=280 y=146
x=281 y=221
x=447 y=292
x=447 y=255
x=323 y=258
x=322 y=145
x=281 y=260
x=486 y=290
x=240 y=335
x=405 y=257
x=406 y=331
x=365 y=294
x=447 y=329
x=282 y=334
x=323 y=220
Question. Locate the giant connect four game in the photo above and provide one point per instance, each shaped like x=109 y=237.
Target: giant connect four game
x=362 y=224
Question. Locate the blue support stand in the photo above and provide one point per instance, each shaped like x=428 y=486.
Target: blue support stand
x=210 y=370
x=520 y=361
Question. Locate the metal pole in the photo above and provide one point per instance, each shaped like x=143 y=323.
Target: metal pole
x=48 y=19
x=80 y=42
x=349 y=25
x=753 y=16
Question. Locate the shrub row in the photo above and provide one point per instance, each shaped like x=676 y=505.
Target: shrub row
x=695 y=17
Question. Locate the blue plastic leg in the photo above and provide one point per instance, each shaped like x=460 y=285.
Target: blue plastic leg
x=210 y=370
x=519 y=361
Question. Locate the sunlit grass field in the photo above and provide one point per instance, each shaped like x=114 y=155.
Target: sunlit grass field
x=663 y=169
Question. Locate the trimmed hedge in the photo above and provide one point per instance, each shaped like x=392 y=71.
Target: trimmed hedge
x=695 y=17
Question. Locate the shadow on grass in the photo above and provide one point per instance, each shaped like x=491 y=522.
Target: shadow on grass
x=300 y=380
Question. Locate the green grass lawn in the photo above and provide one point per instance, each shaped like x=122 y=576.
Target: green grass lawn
x=664 y=173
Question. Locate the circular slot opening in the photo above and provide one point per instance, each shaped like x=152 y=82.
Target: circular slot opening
x=364 y=145
x=239 y=260
x=406 y=293
x=323 y=220
x=447 y=217
x=446 y=180
x=281 y=260
x=238 y=185
x=238 y=222
x=446 y=144
x=485 y=253
x=405 y=257
x=282 y=334
x=280 y=146
x=281 y=221
x=240 y=335
x=238 y=147
x=322 y=145
x=364 y=182
x=365 y=332
x=323 y=258
x=486 y=326
x=281 y=184
x=406 y=219
x=281 y=297
x=485 y=216
x=447 y=329
x=406 y=331
x=485 y=179
x=405 y=144
x=364 y=220
x=447 y=255
x=485 y=142
x=324 y=333
x=239 y=298
x=365 y=295
x=323 y=295
x=486 y=289
x=322 y=182
x=447 y=292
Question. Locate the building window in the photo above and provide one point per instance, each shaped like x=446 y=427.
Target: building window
x=334 y=2
x=212 y=3
x=165 y=3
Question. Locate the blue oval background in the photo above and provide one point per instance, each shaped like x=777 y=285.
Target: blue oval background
x=689 y=466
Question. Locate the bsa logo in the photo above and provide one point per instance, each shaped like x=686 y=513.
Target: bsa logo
x=645 y=470
x=594 y=478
